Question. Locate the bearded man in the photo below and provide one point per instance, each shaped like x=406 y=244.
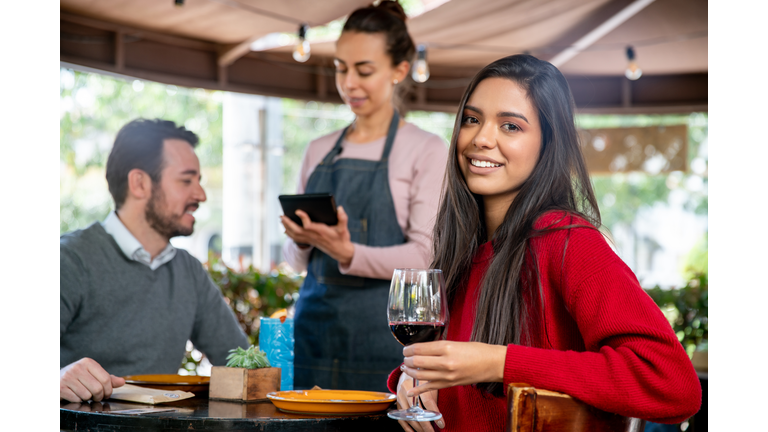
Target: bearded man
x=129 y=299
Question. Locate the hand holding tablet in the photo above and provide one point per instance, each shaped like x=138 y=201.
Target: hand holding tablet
x=319 y=207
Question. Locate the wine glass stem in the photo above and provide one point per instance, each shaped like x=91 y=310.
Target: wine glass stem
x=416 y=398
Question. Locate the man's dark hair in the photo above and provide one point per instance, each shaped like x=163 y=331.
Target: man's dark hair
x=139 y=144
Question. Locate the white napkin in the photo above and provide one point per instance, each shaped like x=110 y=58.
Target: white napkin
x=146 y=395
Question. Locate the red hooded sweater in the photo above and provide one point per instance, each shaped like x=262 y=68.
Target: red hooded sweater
x=606 y=343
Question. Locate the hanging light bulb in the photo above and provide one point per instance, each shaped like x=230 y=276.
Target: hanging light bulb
x=633 y=71
x=301 y=52
x=420 y=68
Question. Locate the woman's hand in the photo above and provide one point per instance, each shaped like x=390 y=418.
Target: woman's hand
x=444 y=364
x=429 y=400
x=333 y=240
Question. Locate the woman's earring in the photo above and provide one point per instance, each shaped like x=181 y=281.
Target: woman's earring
x=395 y=82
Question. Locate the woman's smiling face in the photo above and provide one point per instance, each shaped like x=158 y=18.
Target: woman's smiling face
x=364 y=72
x=499 y=140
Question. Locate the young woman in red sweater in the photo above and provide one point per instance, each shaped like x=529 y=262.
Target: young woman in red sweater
x=536 y=294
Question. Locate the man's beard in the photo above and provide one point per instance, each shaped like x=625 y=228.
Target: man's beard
x=161 y=222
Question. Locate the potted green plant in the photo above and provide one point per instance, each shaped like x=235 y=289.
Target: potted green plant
x=248 y=376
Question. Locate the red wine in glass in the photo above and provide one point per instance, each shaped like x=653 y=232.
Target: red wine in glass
x=416 y=332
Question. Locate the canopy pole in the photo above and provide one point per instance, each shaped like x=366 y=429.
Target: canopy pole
x=599 y=31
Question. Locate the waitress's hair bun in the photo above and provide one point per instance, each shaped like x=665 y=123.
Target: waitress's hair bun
x=394 y=8
x=387 y=17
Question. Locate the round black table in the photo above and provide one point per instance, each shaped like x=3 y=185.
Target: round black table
x=202 y=414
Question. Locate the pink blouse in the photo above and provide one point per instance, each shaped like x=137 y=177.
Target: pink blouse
x=416 y=167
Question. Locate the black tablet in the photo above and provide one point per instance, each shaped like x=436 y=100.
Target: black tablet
x=319 y=207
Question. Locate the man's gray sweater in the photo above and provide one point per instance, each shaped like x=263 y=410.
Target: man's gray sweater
x=133 y=320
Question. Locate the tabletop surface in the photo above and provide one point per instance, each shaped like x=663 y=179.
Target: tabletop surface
x=202 y=414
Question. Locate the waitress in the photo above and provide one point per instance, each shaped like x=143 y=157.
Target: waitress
x=385 y=174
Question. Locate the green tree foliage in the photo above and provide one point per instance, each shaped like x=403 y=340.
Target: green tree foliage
x=697 y=262
x=621 y=196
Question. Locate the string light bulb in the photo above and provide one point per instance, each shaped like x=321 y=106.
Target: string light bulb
x=633 y=71
x=301 y=52
x=420 y=68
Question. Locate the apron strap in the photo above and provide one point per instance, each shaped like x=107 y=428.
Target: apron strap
x=328 y=159
x=393 y=125
x=391 y=135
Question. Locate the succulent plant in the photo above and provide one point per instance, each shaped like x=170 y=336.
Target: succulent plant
x=251 y=358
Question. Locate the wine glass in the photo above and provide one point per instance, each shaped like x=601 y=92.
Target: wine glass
x=417 y=312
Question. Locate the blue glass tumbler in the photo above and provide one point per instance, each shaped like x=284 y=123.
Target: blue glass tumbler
x=276 y=339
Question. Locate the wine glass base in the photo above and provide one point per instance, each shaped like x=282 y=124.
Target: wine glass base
x=419 y=416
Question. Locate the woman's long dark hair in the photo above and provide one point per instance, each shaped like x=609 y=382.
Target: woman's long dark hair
x=511 y=289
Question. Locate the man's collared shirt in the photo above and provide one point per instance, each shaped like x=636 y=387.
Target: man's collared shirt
x=131 y=247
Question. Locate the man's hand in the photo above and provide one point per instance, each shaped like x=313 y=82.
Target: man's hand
x=429 y=399
x=333 y=240
x=86 y=380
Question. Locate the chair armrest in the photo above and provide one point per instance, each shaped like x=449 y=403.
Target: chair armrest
x=536 y=410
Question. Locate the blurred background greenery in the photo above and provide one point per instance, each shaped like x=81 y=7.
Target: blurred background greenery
x=251 y=295
x=687 y=309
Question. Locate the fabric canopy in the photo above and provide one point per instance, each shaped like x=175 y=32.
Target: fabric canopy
x=208 y=43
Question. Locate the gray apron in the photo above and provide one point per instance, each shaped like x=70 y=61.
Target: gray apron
x=342 y=336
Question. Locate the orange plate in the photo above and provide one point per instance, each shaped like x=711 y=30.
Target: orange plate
x=193 y=384
x=331 y=401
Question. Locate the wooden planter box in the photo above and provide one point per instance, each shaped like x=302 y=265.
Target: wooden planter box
x=243 y=384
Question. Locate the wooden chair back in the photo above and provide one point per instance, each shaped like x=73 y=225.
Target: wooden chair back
x=536 y=410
